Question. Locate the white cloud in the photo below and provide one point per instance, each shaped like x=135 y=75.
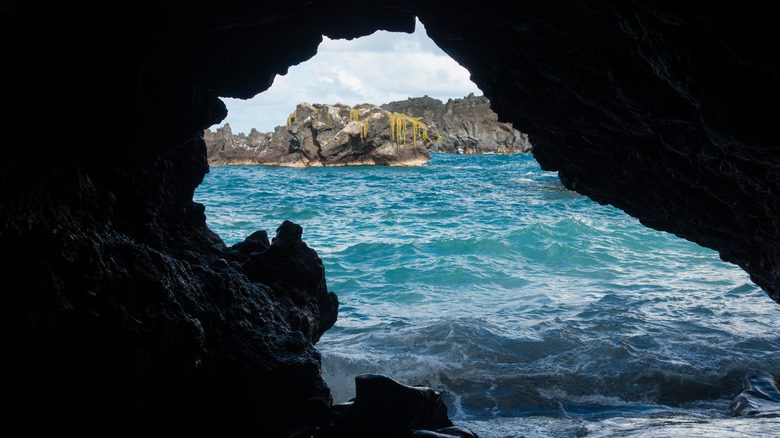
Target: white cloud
x=380 y=68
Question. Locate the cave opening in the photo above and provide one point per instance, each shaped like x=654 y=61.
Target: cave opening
x=482 y=275
x=120 y=294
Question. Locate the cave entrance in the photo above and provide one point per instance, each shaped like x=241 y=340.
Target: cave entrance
x=483 y=276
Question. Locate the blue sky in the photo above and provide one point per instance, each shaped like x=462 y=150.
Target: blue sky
x=379 y=68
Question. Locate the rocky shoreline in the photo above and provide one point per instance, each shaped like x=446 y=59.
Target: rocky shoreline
x=398 y=133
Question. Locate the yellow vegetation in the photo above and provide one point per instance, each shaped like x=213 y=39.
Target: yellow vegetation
x=364 y=129
x=399 y=127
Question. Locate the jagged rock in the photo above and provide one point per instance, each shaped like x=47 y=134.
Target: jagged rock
x=760 y=396
x=224 y=147
x=149 y=320
x=294 y=271
x=328 y=135
x=383 y=407
x=467 y=125
x=256 y=242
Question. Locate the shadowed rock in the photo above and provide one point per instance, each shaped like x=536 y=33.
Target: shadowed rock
x=383 y=407
x=294 y=271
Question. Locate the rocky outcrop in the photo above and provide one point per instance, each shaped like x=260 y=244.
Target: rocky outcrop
x=329 y=135
x=224 y=147
x=385 y=408
x=326 y=135
x=467 y=126
x=125 y=315
x=760 y=396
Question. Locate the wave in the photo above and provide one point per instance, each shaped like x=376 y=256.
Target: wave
x=590 y=364
x=518 y=297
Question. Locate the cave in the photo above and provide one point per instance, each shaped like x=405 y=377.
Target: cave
x=129 y=317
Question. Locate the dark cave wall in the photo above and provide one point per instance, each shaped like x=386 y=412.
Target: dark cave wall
x=121 y=298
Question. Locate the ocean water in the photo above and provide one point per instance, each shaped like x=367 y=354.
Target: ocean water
x=537 y=311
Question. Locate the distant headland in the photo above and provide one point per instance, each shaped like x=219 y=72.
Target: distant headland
x=399 y=133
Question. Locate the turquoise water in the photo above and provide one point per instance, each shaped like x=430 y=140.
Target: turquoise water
x=538 y=311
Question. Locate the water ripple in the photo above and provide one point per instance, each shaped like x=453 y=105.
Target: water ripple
x=484 y=276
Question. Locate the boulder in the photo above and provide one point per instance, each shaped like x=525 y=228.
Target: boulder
x=383 y=407
x=760 y=396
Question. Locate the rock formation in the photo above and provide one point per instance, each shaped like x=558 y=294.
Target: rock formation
x=384 y=408
x=126 y=316
x=329 y=135
x=324 y=135
x=467 y=125
x=760 y=396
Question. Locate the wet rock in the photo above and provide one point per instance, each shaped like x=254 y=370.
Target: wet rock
x=760 y=396
x=383 y=407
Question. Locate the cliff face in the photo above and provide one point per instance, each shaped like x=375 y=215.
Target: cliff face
x=328 y=135
x=467 y=125
x=118 y=294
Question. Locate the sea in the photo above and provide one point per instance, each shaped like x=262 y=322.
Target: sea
x=537 y=312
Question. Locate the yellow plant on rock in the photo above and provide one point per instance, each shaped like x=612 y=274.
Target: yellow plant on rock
x=399 y=127
x=363 y=129
x=354 y=116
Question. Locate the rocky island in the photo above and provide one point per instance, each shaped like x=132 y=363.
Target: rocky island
x=329 y=135
x=397 y=133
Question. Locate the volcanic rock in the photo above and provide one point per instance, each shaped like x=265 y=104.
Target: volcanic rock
x=467 y=126
x=329 y=135
x=383 y=407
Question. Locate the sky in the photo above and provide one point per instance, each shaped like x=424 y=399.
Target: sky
x=380 y=68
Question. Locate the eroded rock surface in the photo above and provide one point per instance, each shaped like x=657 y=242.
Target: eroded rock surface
x=127 y=316
x=329 y=135
x=467 y=126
